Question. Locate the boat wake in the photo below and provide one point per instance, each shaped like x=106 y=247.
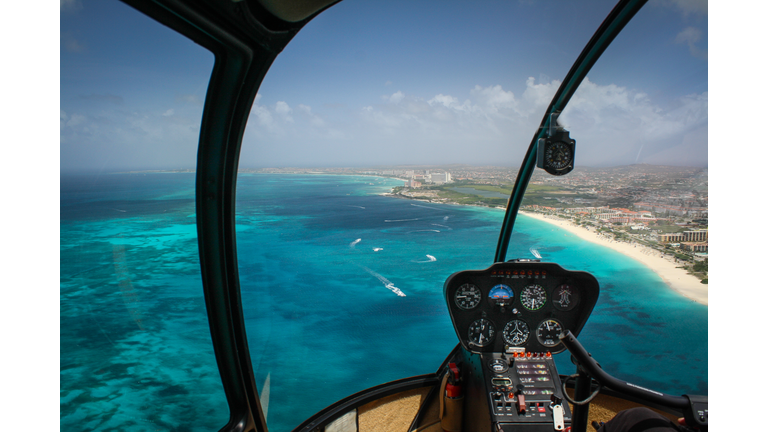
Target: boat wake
x=430 y=258
x=377 y=249
x=400 y=220
x=360 y=207
x=354 y=243
x=535 y=253
x=444 y=226
x=423 y=231
x=387 y=284
x=428 y=207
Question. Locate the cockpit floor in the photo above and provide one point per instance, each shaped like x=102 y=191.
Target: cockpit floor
x=396 y=412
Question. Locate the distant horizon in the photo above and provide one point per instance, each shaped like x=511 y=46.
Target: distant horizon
x=361 y=167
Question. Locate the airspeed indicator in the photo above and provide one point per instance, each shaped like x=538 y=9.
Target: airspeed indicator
x=533 y=297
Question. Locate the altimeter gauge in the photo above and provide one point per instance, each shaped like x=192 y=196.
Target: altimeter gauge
x=467 y=296
x=516 y=332
x=481 y=332
x=548 y=333
x=533 y=297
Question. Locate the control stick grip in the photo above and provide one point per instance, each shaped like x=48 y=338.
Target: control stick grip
x=588 y=364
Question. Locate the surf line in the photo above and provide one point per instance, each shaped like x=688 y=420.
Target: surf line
x=387 y=284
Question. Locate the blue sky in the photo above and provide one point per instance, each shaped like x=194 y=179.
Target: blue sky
x=372 y=82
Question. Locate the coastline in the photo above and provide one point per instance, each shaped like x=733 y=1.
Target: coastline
x=677 y=279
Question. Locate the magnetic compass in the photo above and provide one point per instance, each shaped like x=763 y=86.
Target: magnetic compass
x=558 y=155
x=555 y=152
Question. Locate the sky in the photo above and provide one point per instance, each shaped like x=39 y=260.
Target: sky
x=370 y=83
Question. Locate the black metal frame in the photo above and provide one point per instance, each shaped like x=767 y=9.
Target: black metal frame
x=621 y=14
x=245 y=39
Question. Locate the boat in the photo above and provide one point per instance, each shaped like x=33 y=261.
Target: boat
x=510 y=319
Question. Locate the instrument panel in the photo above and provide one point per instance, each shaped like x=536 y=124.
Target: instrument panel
x=521 y=305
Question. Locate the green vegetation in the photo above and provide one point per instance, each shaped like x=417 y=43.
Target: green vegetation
x=700 y=269
x=664 y=228
x=506 y=189
x=701 y=266
x=444 y=192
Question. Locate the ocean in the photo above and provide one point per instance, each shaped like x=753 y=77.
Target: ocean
x=323 y=260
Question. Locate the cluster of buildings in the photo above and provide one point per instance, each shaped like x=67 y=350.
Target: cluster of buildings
x=416 y=179
x=695 y=241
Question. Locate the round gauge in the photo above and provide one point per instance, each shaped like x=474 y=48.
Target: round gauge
x=516 y=333
x=501 y=295
x=533 y=297
x=548 y=332
x=498 y=366
x=467 y=296
x=565 y=297
x=558 y=155
x=481 y=332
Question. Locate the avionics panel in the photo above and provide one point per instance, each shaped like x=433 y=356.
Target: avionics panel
x=519 y=306
x=520 y=389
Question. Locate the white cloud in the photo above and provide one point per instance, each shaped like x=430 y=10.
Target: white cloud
x=686 y=7
x=191 y=99
x=314 y=120
x=611 y=124
x=395 y=98
x=692 y=7
x=282 y=108
x=168 y=113
x=690 y=36
x=70 y=43
x=69 y=5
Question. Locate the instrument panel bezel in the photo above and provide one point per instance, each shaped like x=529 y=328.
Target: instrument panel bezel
x=518 y=275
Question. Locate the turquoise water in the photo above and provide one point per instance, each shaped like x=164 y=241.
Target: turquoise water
x=318 y=256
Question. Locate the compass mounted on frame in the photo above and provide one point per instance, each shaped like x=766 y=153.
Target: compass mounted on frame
x=556 y=150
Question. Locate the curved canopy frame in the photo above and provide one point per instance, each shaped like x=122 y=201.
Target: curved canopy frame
x=245 y=39
x=621 y=14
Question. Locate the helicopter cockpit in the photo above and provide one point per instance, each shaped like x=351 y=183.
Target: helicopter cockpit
x=301 y=332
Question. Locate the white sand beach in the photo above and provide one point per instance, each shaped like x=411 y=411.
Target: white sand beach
x=677 y=279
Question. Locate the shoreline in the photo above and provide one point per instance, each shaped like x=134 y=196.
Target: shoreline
x=677 y=279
